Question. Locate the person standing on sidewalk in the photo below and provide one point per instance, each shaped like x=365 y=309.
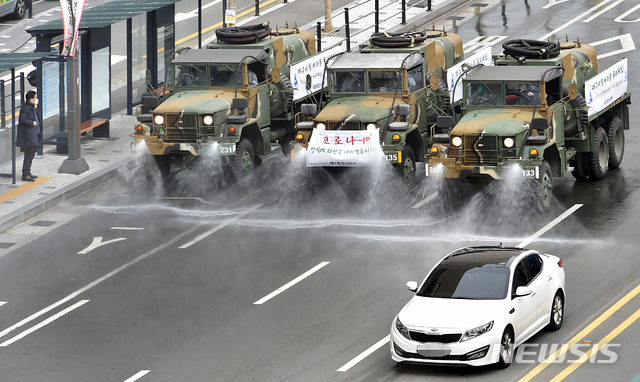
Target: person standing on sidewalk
x=29 y=138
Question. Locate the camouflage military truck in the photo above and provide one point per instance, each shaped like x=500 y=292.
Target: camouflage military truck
x=394 y=85
x=234 y=98
x=543 y=107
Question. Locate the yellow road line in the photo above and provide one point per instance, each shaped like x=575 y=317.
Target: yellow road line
x=612 y=334
x=22 y=189
x=584 y=332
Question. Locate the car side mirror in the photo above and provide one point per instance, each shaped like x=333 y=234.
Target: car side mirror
x=522 y=291
x=412 y=286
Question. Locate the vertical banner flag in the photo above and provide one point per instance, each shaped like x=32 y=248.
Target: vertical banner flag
x=67 y=24
x=78 y=7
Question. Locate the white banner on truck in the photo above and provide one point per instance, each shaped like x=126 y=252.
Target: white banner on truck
x=454 y=72
x=606 y=87
x=311 y=69
x=344 y=148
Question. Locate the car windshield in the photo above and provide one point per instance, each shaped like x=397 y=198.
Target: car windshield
x=466 y=282
x=225 y=75
x=484 y=93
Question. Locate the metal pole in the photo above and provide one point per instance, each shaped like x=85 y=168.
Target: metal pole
x=224 y=13
x=199 y=24
x=129 y=66
x=377 y=16
x=428 y=5
x=319 y=33
x=258 y=7
x=13 y=124
x=404 y=12
x=73 y=109
x=30 y=8
x=3 y=111
x=346 y=28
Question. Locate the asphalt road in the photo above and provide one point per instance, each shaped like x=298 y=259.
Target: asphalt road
x=296 y=276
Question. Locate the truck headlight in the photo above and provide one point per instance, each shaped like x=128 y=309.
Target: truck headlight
x=158 y=119
x=456 y=141
x=208 y=120
x=508 y=142
x=371 y=126
x=321 y=126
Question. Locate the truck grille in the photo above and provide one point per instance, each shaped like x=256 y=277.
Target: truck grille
x=343 y=126
x=441 y=338
x=481 y=149
x=181 y=127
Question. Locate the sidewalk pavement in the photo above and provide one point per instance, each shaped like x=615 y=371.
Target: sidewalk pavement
x=24 y=200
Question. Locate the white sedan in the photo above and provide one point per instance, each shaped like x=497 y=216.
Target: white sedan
x=477 y=305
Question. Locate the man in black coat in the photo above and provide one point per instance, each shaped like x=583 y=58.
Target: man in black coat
x=29 y=137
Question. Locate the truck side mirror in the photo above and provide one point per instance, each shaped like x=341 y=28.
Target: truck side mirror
x=402 y=109
x=444 y=122
x=540 y=124
x=309 y=109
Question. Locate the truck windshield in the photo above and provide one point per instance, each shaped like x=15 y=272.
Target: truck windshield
x=522 y=93
x=484 y=93
x=224 y=75
x=348 y=82
x=385 y=81
x=416 y=78
x=190 y=75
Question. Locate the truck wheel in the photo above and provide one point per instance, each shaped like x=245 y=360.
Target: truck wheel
x=287 y=144
x=599 y=157
x=615 y=135
x=580 y=165
x=546 y=184
x=243 y=163
x=281 y=96
x=407 y=169
x=570 y=118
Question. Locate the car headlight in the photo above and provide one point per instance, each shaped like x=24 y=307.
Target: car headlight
x=508 y=142
x=456 y=141
x=402 y=329
x=208 y=120
x=475 y=332
x=371 y=126
x=321 y=126
x=158 y=119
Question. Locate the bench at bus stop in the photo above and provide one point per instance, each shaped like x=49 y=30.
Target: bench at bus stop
x=98 y=126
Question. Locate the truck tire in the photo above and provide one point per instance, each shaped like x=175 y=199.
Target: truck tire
x=580 y=165
x=243 y=163
x=599 y=157
x=570 y=119
x=546 y=185
x=407 y=169
x=281 y=97
x=615 y=135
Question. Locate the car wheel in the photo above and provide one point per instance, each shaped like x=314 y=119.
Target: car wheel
x=20 y=10
x=506 y=349
x=557 y=312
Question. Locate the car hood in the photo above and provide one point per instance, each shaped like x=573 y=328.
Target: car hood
x=449 y=313
x=196 y=101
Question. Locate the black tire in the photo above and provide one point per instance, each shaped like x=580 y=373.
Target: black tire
x=243 y=35
x=615 y=135
x=20 y=10
x=530 y=49
x=154 y=165
x=546 y=185
x=570 y=119
x=397 y=40
x=557 y=311
x=243 y=163
x=440 y=96
x=599 y=158
x=407 y=169
x=282 y=96
x=580 y=165
x=287 y=144
x=506 y=349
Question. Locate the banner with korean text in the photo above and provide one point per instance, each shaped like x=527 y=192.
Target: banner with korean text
x=606 y=87
x=344 y=148
x=453 y=73
x=310 y=72
x=71 y=16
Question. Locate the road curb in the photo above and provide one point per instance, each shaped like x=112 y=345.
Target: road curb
x=72 y=190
